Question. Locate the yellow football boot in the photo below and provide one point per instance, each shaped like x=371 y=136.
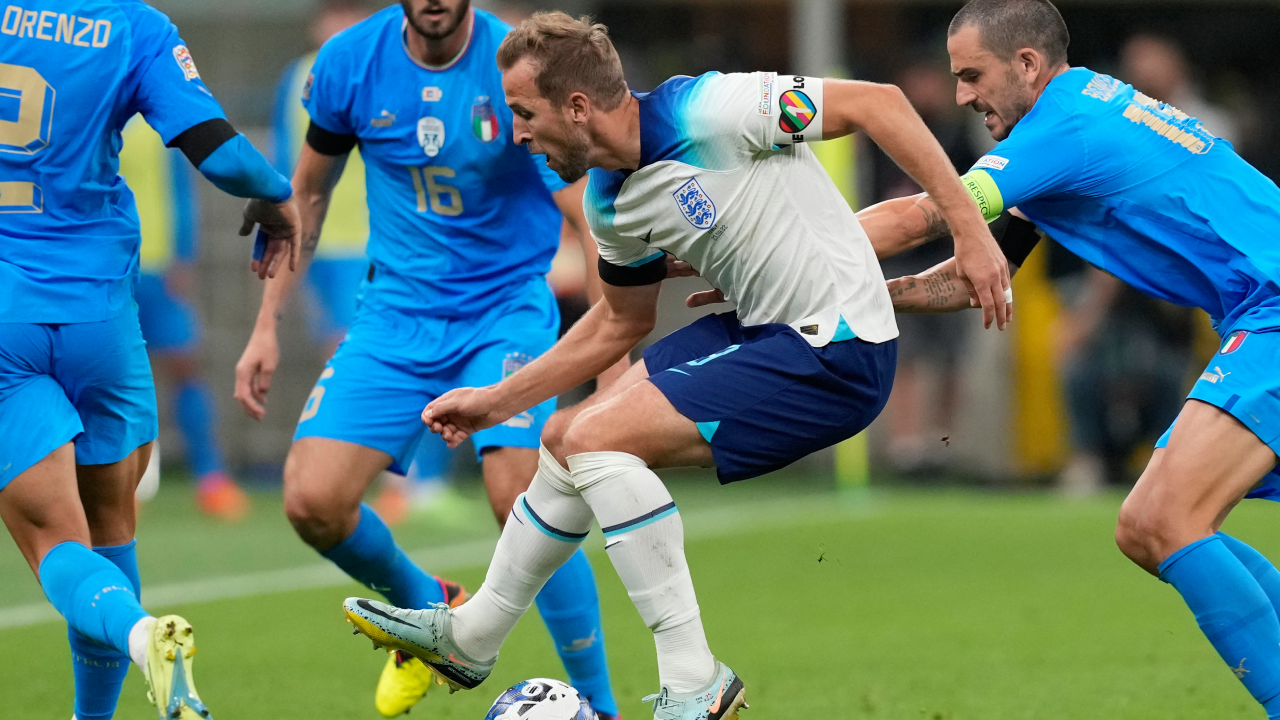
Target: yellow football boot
x=405 y=680
x=169 y=651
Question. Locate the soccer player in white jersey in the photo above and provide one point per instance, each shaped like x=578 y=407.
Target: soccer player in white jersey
x=714 y=171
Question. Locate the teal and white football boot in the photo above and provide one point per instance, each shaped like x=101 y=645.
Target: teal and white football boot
x=721 y=699
x=426 y=634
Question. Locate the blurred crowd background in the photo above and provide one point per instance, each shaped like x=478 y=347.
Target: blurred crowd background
x=1073 y=395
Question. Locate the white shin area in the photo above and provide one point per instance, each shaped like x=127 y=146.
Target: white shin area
x=532 y=547
x=645 y=540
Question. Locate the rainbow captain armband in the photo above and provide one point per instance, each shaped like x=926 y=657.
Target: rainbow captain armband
x=985 y=192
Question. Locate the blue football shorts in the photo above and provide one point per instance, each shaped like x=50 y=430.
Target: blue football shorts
x=1243 y=378
x=333 y=289
x=762 y=396
x=391 y=364
x=84 y=382
x=169 y=322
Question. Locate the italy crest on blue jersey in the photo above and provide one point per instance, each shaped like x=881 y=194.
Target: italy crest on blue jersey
x=461 y=218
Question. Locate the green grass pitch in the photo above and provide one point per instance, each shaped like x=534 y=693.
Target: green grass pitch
x=913 y=605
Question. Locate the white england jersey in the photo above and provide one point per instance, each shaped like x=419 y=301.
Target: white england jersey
x=726 y=184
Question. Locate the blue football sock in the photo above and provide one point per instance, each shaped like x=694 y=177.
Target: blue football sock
x=1258 y=566
x=194 y=413
x=370 y=555
x=570 y=607
x=100 y=670
x=94 y=596
x=1233 y=611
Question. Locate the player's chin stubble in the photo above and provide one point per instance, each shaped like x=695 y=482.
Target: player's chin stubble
x=439 y=32
x=572 y=164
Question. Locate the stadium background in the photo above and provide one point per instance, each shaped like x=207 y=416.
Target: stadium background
x=928 y=596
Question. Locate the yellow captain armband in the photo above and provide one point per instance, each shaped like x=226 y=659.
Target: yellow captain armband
x=985 y=192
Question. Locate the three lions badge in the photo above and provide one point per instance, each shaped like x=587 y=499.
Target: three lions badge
x=696 y=206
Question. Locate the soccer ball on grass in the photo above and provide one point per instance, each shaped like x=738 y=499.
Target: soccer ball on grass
x=540 y=699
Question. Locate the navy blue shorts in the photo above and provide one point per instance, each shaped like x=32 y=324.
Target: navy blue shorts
x=762 y=396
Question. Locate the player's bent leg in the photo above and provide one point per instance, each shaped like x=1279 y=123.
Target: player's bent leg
x=1168 y=526
x=610 y=450
x=545 y=529
x=106 y=493
x=324 y=480
x=568 y=603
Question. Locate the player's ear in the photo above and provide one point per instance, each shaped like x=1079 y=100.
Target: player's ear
x=1028 y=62
x=579 y=106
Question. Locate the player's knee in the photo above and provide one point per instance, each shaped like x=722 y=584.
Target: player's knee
x=309 y=512
x=554 y=430
x=1147 y=535
x=584 y=434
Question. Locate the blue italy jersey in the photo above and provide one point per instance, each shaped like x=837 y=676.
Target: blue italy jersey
x=70 y=233
x=1142 y=191
x=460 y=217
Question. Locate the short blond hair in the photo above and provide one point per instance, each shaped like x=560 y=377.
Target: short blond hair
x=572 y=55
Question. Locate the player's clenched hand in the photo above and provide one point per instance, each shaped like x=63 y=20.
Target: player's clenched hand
x=984 y=271
x=280 y=229
x=459 y=413
x=254 y=371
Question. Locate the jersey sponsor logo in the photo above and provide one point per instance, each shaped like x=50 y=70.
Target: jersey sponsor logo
x=1233 y=342
x=431 y=135
x=55 y=27
x=698 y=209
x=766 y=93
x=385 y=120
x=1101 y=87
x=431 y=93
x=995 y=162
x=797 y=111
x=183 y=57
x=484 y=121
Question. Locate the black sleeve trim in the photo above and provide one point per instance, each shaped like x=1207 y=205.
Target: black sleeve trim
x=654 y=271
x=329 y=143
x=1016 y=237
x=199 y=141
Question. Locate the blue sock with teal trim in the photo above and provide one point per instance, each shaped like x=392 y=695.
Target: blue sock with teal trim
x=1258 y=566
x=570 y=607
x=1233 y=611
x=194 y=413
x=370 y=555
x=99 y=670
x=96 y=597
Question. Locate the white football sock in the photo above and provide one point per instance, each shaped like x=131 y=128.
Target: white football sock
x=533 y=546
x=139 y=634
x=645 y=540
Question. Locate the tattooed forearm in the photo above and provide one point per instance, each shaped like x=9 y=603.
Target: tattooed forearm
x=935 y=291
x=935 y=224
x=939 y=289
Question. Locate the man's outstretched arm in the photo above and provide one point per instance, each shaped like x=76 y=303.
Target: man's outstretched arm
x=938 y=289
x=608 y=331
x=886 y=116
x=897 y=225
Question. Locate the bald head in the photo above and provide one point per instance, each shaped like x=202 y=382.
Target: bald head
x=1007 y=26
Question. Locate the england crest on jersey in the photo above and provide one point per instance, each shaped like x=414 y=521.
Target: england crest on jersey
x=696 y=206
x=431 y=135
x=484 y=121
